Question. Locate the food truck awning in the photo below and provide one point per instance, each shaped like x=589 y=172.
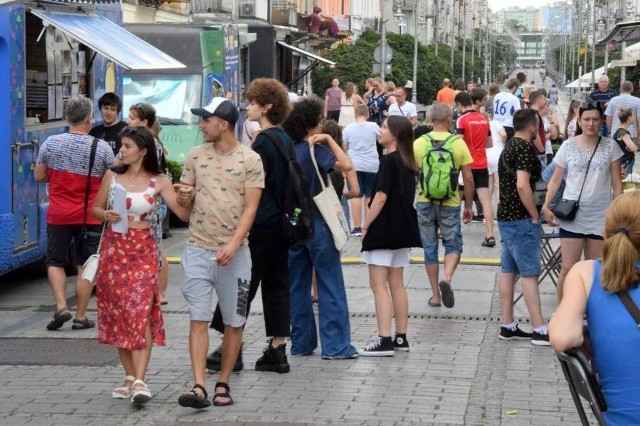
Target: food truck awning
x=110 y=40
x=308 y=54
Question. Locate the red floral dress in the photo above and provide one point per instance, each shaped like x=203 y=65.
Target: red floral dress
x=127 y=280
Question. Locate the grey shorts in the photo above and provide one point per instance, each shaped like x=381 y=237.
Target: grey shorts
x=202 y=275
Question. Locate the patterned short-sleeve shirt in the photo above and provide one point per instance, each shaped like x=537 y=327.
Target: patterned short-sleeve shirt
x=220 y=181
x=517 y=155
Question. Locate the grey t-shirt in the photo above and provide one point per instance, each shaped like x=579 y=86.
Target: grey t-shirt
x=624 y=100
x=360 y=140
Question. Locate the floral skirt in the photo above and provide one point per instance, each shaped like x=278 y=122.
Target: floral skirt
x=127 y=281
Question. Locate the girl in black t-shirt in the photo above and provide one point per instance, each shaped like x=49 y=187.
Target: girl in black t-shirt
x=390 y=229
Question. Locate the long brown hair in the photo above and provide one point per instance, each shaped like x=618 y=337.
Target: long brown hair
x=570 y=116
x=349 y=90
x=622 y=244
x=400 y=127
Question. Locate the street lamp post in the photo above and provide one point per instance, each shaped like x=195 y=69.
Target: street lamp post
x=399 y=16
x=593 y=45
x=473 y=45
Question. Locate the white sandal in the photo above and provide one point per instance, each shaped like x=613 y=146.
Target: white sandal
x=123 y=392
x=140 y=393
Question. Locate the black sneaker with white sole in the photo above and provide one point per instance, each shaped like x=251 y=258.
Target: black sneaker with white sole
x=381 y=346
x=400 y=343
x=507 y=334
x=540 y=339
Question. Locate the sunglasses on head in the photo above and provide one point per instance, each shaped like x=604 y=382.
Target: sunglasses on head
x=587 y=105
x=140 y=106
x=129 y=130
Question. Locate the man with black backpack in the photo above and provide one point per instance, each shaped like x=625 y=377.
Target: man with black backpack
x=282 y=219
x=441 y=157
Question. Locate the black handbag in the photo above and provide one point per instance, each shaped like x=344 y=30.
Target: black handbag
x=567 y=209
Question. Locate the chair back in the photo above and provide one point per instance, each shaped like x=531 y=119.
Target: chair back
x=583 y=382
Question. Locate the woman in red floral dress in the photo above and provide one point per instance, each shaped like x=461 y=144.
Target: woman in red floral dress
x=129 y=315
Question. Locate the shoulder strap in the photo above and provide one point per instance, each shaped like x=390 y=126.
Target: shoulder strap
x=273 y=136
x=631 y=307
x=587 y=171
x=92 y=158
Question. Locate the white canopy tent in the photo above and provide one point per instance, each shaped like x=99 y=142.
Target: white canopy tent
x=632 y=52
x=585 y=79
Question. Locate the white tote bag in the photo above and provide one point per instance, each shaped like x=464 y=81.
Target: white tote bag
x=330 y=208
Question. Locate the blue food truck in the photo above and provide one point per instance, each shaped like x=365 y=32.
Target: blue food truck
x=50 y=52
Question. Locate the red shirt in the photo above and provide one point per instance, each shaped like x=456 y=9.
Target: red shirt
x=474 y=128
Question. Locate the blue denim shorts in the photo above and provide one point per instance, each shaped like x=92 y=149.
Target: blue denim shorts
x=432 y=217
x=365 y=181
x=520 y=247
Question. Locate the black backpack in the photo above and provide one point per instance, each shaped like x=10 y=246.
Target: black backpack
x=297 y=227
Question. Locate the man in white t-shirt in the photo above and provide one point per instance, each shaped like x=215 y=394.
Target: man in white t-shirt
x=505 y=105
x=403 y=107
x=360 y=140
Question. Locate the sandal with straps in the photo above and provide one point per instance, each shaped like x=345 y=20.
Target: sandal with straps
x=193 y=400
x=224 y=394
x=123 y=392
x=140 y=393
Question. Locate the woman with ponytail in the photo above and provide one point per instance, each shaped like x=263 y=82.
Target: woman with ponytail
x=592 y=287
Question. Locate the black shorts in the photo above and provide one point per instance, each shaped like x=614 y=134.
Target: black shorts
x=480 y=178
x=563 y=233
x=61 y=239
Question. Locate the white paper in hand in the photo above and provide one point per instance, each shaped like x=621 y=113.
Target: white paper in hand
x=120 y=205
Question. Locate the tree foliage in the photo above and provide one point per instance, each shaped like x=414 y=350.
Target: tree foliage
x=354 y=63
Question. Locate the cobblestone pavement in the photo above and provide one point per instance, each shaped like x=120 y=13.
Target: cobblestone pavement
x=457 y=371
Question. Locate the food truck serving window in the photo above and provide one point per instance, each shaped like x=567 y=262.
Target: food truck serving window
x=120 y=45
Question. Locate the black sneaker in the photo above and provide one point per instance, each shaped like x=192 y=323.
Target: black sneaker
x=356 y=232
x=506 y=334
x=400 y=343
x=273 y=359
x=378 y=347
x=540 y=339
x=214 y=360
x=477 y=218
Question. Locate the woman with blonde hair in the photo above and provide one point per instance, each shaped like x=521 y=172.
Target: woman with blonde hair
x=379 y=101
x=594 y=288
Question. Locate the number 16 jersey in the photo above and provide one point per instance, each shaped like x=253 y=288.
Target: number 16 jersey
x=505 y=106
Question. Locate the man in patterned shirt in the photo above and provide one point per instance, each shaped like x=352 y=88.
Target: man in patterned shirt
x=221 y=183
x=63 y=163
x=520 y=229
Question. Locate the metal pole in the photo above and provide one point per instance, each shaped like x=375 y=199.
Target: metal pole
x=453 y=35
x=593 y=42
x=473 y=46
x=383 y=42
x=414 y=92
x=435 y=27
x=464 y=41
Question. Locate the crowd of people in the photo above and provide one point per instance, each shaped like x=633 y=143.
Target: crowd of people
x=401 y=183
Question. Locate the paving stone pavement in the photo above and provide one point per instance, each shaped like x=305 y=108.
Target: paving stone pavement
x=457 y=372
